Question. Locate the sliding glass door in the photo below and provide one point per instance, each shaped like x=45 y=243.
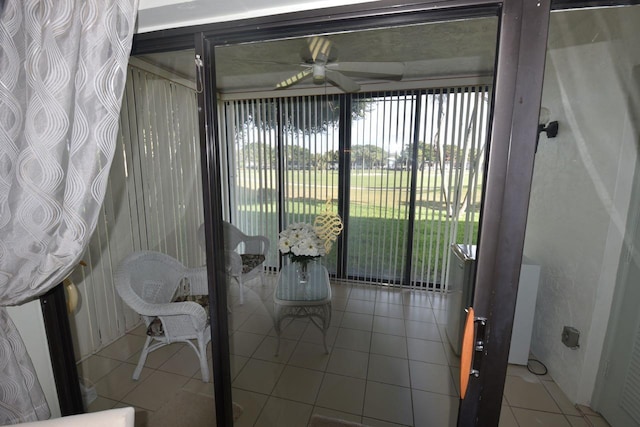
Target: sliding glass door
x=415 y=182
x=403 y=168
x=400 y=157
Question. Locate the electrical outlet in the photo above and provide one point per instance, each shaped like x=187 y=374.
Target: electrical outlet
x=570 y=337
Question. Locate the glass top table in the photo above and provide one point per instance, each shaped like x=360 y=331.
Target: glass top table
x=290 y=289
x=293 y=299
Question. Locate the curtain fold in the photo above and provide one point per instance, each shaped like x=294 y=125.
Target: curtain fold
x=62 y=74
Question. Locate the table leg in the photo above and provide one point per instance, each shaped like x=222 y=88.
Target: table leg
x=276 y=326
x=326 y=322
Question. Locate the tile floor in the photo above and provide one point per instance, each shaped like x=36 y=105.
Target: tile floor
x=389 y=365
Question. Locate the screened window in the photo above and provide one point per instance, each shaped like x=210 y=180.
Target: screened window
x=403 y=169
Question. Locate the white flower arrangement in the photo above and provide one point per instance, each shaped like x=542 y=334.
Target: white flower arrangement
x=301 y=242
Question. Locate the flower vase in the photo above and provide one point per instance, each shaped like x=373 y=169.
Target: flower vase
x=302 y=271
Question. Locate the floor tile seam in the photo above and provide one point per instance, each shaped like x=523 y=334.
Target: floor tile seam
x=334 y=409
x=158 y=369
x=317 y=393
x=537 y=410
x=390 y=317
x=360 y=299
x=430 y=362
x=94 y=381
x=386 y=383
x=405 y=305
x=248 y=357
x=573 y=407
x=313 y=412
x=122 y=400
x=357 y=329
x=424 y=339
x=263 y=406
x=339 y=410
x=391 y=422
x=584 y=418
x=240 y=387
x=115 y=358
x=345 y=375
x=413 y=421
x=435 y=392
x=346 y=310
x=138 y=406
x=421 y=321
x=576 y=412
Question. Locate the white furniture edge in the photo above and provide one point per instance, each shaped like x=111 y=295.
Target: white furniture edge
x=120 y=417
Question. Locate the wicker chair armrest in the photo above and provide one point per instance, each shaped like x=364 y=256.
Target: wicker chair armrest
x=233 y=263
x=195 y=312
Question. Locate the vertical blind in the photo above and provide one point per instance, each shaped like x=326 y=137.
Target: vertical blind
x=153 y=202
x=453 y=128
x=280 y=152
x=380 y=189
x=413 y=162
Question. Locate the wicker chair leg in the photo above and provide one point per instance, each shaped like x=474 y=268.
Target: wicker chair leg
x=142 y=359
x=241 y=290
x=204 y=367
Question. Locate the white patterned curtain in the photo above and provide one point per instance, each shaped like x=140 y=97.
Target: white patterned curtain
x=62 y=73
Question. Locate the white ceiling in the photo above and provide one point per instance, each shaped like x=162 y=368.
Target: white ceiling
x=429 y=51
x=162 y=14
x=464 y=48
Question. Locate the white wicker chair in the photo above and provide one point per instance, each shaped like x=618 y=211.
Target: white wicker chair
x=149 y=283
x=248 y=264
x=245 y=265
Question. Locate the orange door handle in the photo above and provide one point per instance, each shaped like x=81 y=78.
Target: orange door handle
x=468 y=348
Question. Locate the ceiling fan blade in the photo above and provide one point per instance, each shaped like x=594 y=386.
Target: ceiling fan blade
x=294 y=79
x=343 y=82
x=387 y=70
x=319 y=48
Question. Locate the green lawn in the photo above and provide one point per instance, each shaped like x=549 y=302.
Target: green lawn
x=378 y=215
x=377 y=245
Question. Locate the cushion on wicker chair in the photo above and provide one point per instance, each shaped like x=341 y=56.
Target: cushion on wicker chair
x=251 y=261
x=155 y=327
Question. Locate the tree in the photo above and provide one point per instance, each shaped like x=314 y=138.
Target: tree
x=427 y=154
x=307 y=114
x=403 y=160
x=297 y=157
x=367 y=156
x=257 y=154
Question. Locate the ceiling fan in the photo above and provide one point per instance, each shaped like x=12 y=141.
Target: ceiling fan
x=320 y=63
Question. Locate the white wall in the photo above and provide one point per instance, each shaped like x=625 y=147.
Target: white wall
x=579 y=202
x=30 y=323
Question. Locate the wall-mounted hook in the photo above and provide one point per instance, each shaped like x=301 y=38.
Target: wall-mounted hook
x=199 y=74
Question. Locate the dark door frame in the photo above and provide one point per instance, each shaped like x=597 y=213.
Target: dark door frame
x=516 y=100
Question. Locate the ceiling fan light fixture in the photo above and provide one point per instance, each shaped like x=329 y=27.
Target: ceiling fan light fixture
x=319 y=74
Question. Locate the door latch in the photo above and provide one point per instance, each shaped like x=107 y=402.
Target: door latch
x=473 y=345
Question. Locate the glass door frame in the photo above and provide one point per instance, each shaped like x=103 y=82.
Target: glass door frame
x=516 y=101
x=518 y=74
